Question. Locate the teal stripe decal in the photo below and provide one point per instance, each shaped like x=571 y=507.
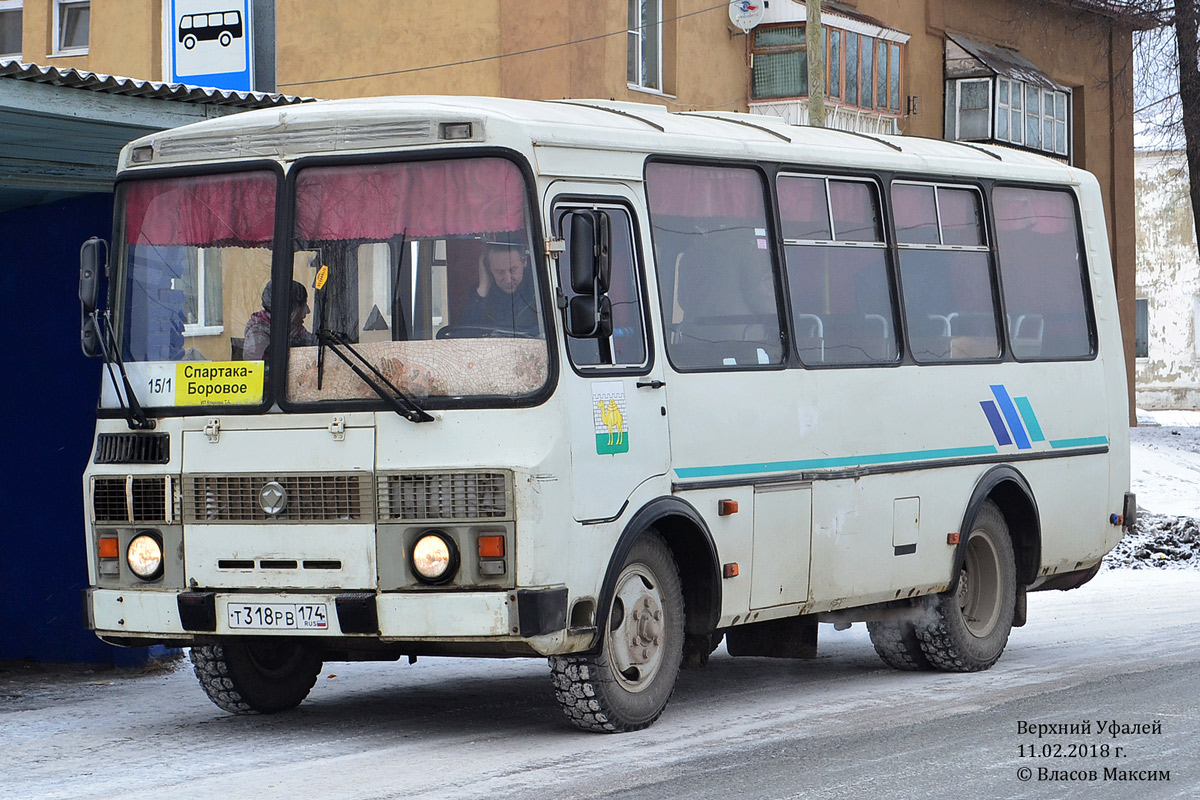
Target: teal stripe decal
x=1085 y=441
x=1031 y=420
x=843 y=461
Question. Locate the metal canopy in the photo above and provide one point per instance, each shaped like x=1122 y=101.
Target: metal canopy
x=61 y=130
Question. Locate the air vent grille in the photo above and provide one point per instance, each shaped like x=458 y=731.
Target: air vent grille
x=443 y=495
x=133 y=498
x=133 y=448
x=310 y=498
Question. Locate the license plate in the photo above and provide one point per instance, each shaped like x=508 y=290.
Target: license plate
x=279 y=616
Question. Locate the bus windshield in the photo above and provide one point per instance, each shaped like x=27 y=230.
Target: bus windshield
x=425 y=270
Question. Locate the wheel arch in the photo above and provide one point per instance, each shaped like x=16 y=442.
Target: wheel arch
x=695 y=554
x=1005 y=486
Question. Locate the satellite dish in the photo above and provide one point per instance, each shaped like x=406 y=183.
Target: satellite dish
x=746 y=14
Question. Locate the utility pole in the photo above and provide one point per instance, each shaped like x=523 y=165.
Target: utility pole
x=815 y=41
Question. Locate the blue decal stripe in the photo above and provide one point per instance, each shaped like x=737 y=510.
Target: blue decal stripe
x=1011 y=416
x=1085 y=441
x=842 y=461
x=1031 y=420
x=993 y=416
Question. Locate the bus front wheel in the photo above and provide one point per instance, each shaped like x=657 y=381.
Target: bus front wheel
x=256 y=677
x=626 y=686
x=969 y=627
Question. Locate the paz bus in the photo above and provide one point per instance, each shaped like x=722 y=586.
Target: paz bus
x=731 y=379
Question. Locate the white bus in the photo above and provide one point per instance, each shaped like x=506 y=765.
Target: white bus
x=594 y=382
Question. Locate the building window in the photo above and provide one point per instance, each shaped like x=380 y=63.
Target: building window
x=1141 y=340
x=10 y=28
x=997 y=95
x=860 y=71
x=644 y=68
x=201 y=286
x=71 y=22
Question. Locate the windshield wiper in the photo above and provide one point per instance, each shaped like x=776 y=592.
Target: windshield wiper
x=399 y=402
x=135 y=415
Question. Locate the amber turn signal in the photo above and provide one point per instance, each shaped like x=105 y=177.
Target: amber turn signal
x=107 y=547
x=491 y=546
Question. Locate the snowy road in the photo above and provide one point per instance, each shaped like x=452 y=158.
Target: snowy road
x=1126 y=647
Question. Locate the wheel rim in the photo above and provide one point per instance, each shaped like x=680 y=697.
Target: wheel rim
x=635 y=628
x=979 y=591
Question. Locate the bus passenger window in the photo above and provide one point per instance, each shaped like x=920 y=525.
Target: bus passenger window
x=837 y=271
x=627 y=345
x=945 y=271
x=715 y=270
x=1042 y=274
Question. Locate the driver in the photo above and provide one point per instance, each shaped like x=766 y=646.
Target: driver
x=505 y=298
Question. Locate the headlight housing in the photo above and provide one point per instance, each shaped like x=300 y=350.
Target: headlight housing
x=434 y=558
x=145 y=556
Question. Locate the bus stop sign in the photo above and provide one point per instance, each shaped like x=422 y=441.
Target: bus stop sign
x=209 y=44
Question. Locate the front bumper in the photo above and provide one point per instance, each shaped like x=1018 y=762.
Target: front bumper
x=424 y=616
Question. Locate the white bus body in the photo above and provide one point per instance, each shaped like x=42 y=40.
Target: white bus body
x=755 y=377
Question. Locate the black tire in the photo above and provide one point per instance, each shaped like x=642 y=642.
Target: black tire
x=969 y=627
x=262 y=677
x=626 y=686
x=897 y=644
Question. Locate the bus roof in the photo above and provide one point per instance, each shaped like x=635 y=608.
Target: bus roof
x=388 y=123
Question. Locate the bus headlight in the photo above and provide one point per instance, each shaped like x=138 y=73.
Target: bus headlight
x=145 y=556
x=434 y=557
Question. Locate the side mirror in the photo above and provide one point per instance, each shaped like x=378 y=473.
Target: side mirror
x=90 y=264
x=589 y=318
x=590 y=241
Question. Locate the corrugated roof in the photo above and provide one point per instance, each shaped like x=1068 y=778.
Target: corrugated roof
x=133 y=87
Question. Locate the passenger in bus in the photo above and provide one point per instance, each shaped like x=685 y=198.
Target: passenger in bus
x=258 y=327
x=504 y=299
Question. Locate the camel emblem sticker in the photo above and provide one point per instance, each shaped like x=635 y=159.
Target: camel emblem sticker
x=608 y=416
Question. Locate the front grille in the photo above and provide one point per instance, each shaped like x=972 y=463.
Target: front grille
x=133 y=448
x=310 y=498
x=133 y=498
x=443 y=495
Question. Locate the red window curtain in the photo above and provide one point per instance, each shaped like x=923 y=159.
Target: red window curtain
x=431 y=198
x=203 y=211
x=680 y=190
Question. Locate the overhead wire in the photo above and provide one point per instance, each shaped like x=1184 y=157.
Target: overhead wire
x=481 y=59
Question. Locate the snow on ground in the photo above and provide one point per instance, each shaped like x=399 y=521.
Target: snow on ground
x=1165 y=475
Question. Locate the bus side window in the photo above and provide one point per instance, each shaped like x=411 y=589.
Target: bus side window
x=715 y=271
x=628 y=342
x=1042 y=274
x=837 y=271
x=945 y=270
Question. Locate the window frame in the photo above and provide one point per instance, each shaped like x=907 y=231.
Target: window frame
x=872 y=180
x=845 y=72
x=636 y=35
x=18 y=6
x=60 y=19
x=1015 y=108
x=1141 y=342
x=1085 y=276
x=989 y=247
x=573 y=201
x=202 y=326
x=770 y=210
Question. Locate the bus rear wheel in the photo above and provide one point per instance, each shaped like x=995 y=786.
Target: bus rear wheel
x=262 y=677
x=897 y=644
x=970 y=626
x=626 y=686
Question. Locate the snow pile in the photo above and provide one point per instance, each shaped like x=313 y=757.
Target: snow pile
x=1159 y=541
x=1165 y=474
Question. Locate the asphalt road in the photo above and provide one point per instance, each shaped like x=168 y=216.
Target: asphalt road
x=1125 y=649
